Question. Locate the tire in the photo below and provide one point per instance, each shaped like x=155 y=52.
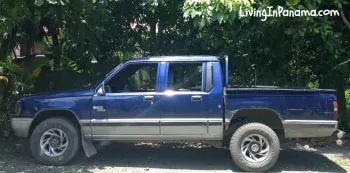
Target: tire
x=66 y=153
x=242 y=137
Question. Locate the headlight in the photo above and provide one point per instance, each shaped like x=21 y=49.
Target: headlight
x=18 y=108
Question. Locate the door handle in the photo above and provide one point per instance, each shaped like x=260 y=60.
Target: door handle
x=148 y=98
x=196 y=98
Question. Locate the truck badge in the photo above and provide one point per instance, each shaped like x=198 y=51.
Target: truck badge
x=99 y=108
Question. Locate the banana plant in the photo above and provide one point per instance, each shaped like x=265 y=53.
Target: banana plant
x=11 y=67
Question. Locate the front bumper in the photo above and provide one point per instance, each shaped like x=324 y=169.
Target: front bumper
x=20 y=126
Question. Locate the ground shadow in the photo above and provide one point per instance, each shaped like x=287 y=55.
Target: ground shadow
x=16 y=157
x=327 y=146
x=296 y=160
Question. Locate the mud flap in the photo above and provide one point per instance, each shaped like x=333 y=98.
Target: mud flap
x=88 y=146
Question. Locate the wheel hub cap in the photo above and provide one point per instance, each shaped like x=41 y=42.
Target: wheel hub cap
x=255 y=148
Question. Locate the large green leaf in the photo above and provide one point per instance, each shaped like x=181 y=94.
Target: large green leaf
x=52 y=1
x=12 y=67
x=33 y=70
x=39 y=2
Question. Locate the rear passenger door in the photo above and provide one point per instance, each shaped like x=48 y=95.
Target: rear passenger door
x=183 y=105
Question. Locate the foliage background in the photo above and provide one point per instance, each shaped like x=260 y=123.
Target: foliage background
x=300 y=51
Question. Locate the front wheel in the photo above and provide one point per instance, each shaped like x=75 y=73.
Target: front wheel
x=254 y=147
x=55 y=141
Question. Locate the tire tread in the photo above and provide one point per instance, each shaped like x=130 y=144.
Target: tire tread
x=72 y=133
x=239 y=159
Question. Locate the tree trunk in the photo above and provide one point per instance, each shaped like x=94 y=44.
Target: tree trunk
x=56 y=79
x=5 y=108
x=324 y=82
x=343 y=17
x=159 y=37
x=154 y=46
x=55 y=42
x=340 y=87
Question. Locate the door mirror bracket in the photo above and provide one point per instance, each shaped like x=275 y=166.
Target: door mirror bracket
x=101 y=91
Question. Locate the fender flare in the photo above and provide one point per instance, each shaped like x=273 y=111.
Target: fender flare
x=234 y=114
x=88 y=146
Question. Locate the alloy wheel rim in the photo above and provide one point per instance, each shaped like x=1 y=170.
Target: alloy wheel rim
x=53 y=142
x=255 y=148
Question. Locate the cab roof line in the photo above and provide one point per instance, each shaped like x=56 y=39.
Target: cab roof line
x=178 y=58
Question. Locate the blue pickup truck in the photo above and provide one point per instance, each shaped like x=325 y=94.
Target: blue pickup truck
x=174 y=98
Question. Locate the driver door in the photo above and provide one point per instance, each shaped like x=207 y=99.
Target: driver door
x=127 y=108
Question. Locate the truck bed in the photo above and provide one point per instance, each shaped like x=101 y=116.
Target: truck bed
x=276 y=89
x=290 y=103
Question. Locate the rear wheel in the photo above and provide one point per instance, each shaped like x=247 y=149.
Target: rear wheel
x=55 y=141
x=254 y=147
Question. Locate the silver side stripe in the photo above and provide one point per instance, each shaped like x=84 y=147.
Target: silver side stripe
x=330 y=122
x=155 y=121
x=155 y=137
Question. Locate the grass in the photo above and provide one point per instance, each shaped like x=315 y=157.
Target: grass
x=342 y=162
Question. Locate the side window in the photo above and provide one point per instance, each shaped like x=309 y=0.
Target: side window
x=185 y=77
x=134 y=78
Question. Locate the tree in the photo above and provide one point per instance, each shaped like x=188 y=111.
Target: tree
x=286 y=51
x=283 y=51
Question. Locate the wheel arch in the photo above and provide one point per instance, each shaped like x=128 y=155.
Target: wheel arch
x=50 y=113
x=265 y=116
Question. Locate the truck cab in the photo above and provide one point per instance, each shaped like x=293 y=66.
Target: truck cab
x=156 y=100
x=174 y=98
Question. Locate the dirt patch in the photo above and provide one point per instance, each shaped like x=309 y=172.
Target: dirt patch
x=162 y=157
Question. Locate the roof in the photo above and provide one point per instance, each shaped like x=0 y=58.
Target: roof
x=178 y=58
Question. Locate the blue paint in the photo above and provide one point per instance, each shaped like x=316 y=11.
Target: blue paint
x=288 y=103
